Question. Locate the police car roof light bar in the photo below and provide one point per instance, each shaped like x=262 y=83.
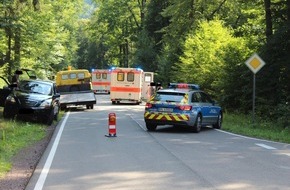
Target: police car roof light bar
x=183 y=86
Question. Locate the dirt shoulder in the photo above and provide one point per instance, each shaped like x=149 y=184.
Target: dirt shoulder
x=24 y=164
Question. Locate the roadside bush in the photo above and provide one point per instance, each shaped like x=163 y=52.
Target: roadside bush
x=282 y=114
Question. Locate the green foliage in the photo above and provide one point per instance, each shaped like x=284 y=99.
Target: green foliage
x=116 y=25
x=43 y=35
x=145 y=54
x=213 y=58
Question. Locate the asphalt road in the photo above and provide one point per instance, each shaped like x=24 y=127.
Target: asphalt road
x=81 y=157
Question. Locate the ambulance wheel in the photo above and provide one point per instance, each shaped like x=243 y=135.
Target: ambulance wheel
x=113 y=102
x=151 y=127
x=197 y=126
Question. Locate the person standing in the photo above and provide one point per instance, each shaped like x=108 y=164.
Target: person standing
x=15 y=77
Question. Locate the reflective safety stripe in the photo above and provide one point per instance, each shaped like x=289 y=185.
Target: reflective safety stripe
x=166 y=117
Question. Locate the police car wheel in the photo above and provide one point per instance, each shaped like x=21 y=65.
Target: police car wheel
x=151 y=127
x=197 y=125
x=218 y=124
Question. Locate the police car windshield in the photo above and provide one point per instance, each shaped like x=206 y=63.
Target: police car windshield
x=169 y=96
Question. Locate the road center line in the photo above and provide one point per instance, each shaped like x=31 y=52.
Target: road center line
x=266 y=146
x=45 y=170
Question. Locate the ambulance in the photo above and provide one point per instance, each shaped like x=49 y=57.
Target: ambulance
x=130 y=85
x=101 y=80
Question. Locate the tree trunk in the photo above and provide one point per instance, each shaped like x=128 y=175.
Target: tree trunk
x=288 y=15
x=269 y=27
x=17 y=47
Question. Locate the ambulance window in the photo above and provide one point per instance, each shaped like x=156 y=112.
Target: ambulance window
x=98 y=75
x=72 y=76
x=148 y=77
x=120 y=76
x=104 y=75
x=64 y=77
x=81 y=75
x=130 y=77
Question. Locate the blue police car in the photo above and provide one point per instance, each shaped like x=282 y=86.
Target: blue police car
x=182 y=104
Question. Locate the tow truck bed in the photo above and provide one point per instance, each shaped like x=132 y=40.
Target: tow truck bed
x=77 y=98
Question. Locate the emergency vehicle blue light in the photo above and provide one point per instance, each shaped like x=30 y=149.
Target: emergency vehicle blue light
x=183 y=86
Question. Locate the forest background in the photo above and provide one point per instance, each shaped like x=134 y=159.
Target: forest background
x=205 y=42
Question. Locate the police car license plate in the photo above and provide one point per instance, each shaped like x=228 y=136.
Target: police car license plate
x=165 y=109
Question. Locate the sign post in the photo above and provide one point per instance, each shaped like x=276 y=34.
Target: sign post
x=255 y=63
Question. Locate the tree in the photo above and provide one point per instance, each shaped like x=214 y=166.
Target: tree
x=117 y=24
x=39 y=35
x=212 y=58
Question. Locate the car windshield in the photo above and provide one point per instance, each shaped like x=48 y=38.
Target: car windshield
x=169 y=97
x=34 y=87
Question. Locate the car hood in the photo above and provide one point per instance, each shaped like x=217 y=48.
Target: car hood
x=30 y=99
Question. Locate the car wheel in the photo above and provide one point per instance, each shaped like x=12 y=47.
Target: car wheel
x=197 y=125
x=218 y=124
x=56 y=116
x=63 y=107
x=50 y=118
x=151 y=127
x=8 y=114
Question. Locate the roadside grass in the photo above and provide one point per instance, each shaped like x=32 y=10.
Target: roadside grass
x=261 y=129
x=16 y=135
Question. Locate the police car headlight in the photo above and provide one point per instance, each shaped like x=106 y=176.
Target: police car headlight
x=45 y=103
x=11 y=99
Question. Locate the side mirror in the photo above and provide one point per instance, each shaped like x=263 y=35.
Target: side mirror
x=57 y=95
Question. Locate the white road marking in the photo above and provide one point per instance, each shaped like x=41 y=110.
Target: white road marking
x=252 y=138
x=266 y=146
x=45 y=170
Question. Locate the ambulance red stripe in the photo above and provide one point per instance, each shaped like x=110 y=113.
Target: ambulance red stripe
x=125 y=89
x=101 y=83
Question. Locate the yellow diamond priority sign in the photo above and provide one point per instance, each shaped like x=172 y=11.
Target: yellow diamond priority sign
x=255 y=63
